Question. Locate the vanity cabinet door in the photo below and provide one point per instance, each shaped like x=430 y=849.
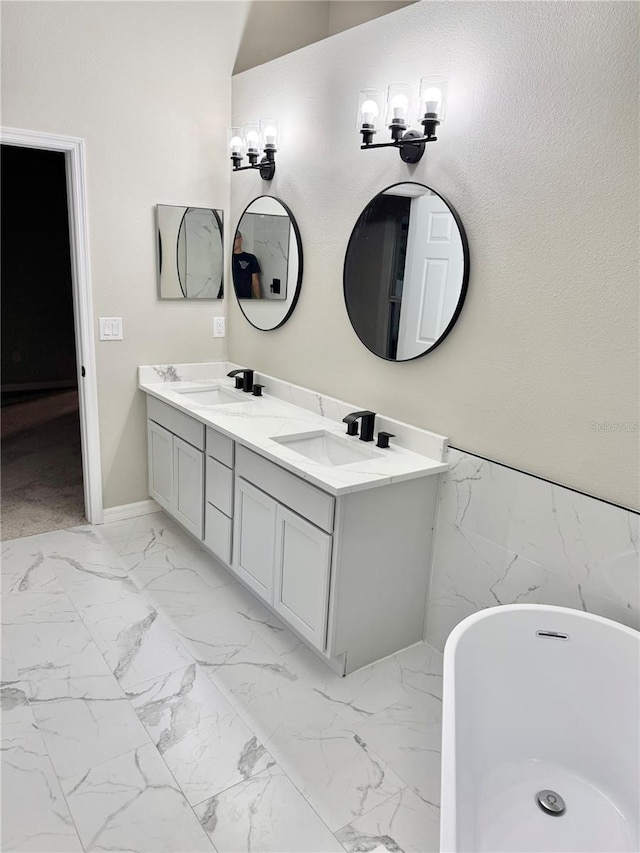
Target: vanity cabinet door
x=160 y=449
x=253 y=537
x=188 y=486
x=302 y=572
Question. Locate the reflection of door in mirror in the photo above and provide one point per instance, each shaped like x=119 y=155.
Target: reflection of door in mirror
x=379 y=260
x=266 y=236
x=405 y=272
x=432 y=275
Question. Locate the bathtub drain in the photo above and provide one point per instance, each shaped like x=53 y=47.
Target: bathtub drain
x=550 y=802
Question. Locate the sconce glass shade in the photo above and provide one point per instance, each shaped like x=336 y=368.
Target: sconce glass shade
x=252 y=137
x=433 y=96
x=400 y=103
x=236 y=142
x=269 y=132
x=370 y=109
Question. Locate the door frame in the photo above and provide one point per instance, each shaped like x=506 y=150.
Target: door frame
x=73 y=149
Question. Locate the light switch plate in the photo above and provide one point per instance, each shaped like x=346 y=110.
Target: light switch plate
x=219 y=327
x=110 y=328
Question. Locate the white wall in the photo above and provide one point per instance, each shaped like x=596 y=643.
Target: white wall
x=147 y=85
x=344 y=14
x=276 y=27
x=539 y=155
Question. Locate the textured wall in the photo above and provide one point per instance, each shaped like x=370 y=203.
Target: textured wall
x=147 y=85
x=547 y=343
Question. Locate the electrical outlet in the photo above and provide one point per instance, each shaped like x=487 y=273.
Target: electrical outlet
x=219 y=326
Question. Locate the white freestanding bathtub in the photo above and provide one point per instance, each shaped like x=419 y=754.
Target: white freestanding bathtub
x=540 y=701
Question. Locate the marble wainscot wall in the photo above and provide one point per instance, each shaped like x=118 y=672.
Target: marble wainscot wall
x=505 y=537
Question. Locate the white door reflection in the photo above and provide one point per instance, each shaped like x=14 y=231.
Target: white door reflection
x=433 y=271
x=406 y=272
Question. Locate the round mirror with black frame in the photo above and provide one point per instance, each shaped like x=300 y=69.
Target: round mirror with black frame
x=266 y=263
x=406 y=272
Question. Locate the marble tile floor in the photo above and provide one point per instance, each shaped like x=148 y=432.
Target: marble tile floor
x=150 y=703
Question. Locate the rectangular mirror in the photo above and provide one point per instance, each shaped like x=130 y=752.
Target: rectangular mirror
x=190 y=252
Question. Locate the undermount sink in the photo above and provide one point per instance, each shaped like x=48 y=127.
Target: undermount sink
x=212 y=395
x=327 y=448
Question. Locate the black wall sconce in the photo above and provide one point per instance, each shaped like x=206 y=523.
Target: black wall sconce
x=398 y=109
x=248 y=140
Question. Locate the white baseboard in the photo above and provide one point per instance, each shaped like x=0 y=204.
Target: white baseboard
x=121 y=513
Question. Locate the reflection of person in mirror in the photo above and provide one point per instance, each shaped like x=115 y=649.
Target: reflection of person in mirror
x=246 y=271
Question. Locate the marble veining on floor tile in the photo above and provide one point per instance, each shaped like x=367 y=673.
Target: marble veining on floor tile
x=84 y=722
x=54 y=649
x=151 y=703
x=203 y=741
x=266 y=813
x=132 y=803
x=35 y=816
x=402 y=823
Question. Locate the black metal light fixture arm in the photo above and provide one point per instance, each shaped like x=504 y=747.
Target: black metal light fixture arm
x=410 y=142
x=266 y=166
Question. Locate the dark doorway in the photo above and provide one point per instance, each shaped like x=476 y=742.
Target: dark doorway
x=41 y=455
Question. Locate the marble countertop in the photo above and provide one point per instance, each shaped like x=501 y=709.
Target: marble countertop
x=255 y=423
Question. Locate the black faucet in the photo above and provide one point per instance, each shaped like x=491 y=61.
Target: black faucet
x=368 y=423
x=246 y=383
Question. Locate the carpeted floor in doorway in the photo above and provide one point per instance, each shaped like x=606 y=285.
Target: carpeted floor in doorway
x=41 y=487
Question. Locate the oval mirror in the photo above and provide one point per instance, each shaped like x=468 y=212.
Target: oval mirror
x=190 y=255
x=405 y=272
x=266 y=263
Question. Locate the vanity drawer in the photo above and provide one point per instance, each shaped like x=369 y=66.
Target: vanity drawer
x=220 y=447
x=286 y=488
x=176 y=422
x=219 y=485
x=217 y=533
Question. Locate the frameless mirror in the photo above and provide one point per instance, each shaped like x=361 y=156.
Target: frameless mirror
x=190 y=256
x=405 y=272
x=266 y=263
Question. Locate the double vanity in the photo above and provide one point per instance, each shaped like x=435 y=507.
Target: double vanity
x=331 y=532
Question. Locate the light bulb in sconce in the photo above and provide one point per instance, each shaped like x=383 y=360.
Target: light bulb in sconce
x=432 y=97
x=252 y=137
x=236 y=145
x=269 y=132
x=399 y=105
x=369 y=112
x=370 y=107
x=399 y=97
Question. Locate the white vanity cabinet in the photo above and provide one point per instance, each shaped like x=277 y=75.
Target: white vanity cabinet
x=349 y=573
x=176 y=464
x=285 y=559
x=302 y=575
x=218 y=510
